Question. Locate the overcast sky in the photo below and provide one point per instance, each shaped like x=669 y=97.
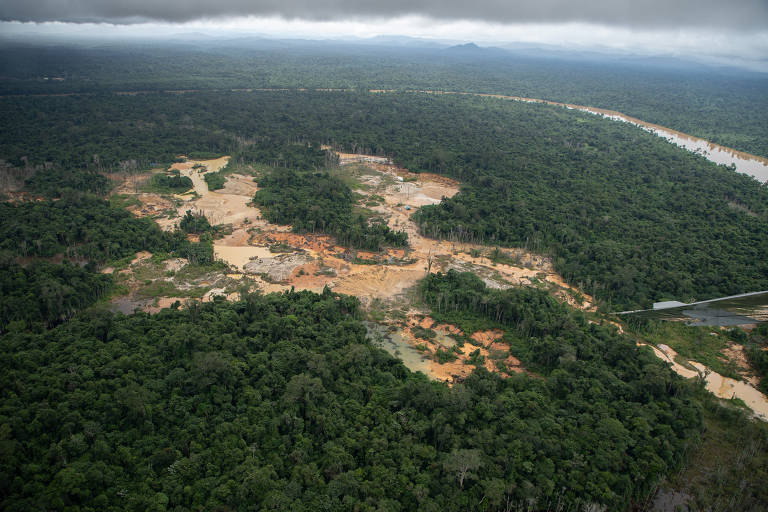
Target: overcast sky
x=735 y=30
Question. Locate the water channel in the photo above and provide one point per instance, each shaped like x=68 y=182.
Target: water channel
x=745 y=163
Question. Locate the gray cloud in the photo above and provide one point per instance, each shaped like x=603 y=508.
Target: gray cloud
x=745 y=14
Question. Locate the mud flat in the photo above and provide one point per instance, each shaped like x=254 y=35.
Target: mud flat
x=727 y=388
x=396 y=344
x=458 y=360
x=239 y=256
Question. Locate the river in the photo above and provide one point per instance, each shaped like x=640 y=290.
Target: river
x=745 y=163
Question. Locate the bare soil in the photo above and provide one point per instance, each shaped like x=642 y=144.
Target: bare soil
x=393 y=193
x=486 y=347
x=722 y=387
x=316 y=261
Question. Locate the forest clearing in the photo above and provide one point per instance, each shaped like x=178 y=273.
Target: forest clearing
x=377 y=276
x=272 y=258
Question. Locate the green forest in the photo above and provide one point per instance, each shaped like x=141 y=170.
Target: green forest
x=214 y=180
x=724 y=105
x=82 y=227
x=55 y=181
x=279 y=401
x=171 y=183
x=626 y=216
x=318 y=201
x=39 y=240
x=287 y=400
x=43 y=294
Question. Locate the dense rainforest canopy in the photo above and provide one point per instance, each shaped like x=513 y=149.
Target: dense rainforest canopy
x=85 y=227
x=723 y=105
x=317 y=201
x=44 y=294
x=79 y=227
x=624 y=214
x=56 y=181
x=280 y=401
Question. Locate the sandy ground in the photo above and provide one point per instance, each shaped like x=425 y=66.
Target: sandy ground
x=735 y=353
x=324 y=263
x=398 y=194
x=722 y=387
x=312 y=261
x=419 y=353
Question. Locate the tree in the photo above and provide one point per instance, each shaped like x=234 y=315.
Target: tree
x=462 y=463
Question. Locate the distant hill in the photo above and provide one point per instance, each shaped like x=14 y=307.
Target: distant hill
x=468 y=47
x=473 y=50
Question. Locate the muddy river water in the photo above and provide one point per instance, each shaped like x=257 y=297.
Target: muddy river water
x=744 y=163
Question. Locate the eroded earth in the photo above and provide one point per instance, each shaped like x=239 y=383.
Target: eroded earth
x=272 y=258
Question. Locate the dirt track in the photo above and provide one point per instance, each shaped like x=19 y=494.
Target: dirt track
x=721 y=387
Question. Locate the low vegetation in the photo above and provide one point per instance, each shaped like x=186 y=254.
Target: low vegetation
x=170 y=183
x=705 y=345
x=728 y=467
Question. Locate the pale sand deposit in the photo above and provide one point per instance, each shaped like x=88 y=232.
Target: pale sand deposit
x=239 y=256
x=727 y=388
x=721 y=387
x=318 y=262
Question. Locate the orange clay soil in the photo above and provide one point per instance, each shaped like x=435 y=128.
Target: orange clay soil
x=390 y=273
x=491 y=348
x=320 y=262
x=735 y=353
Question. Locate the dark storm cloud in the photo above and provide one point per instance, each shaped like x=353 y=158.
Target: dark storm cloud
x=631 y=13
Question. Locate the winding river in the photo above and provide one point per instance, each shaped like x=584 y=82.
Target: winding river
x=745 y=163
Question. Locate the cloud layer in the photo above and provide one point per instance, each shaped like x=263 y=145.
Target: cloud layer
x=744 y=14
